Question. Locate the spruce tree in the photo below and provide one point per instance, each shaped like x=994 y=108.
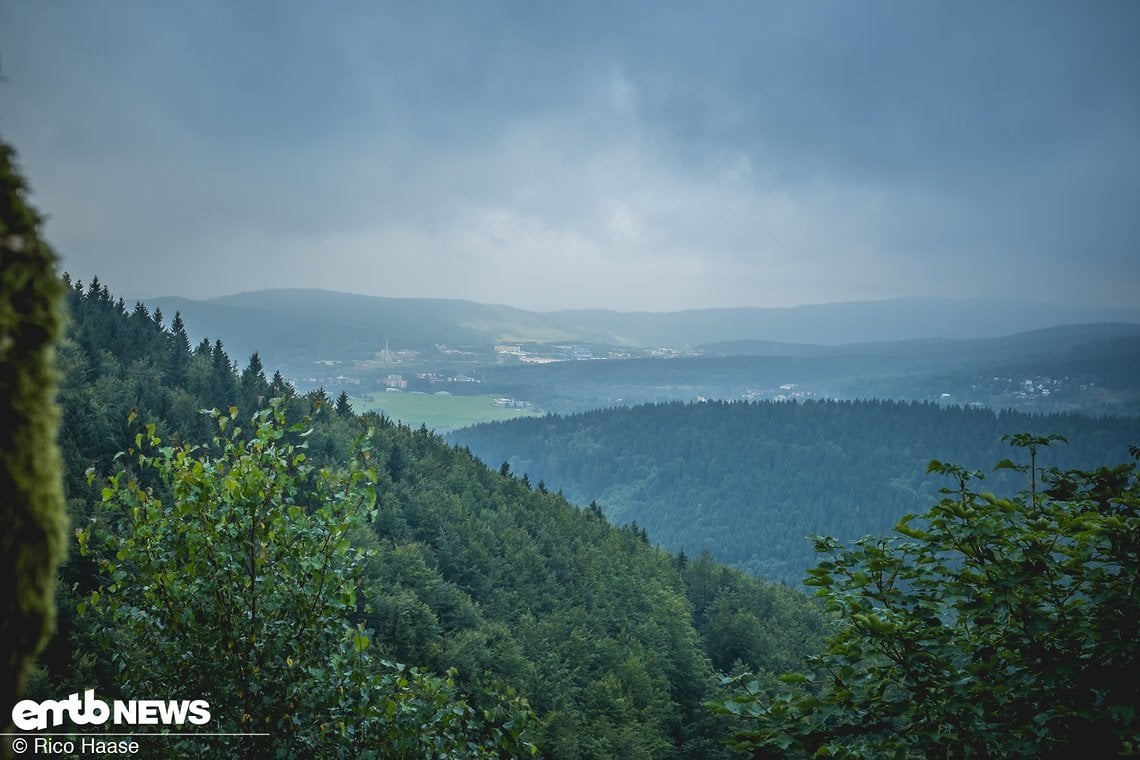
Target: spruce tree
x=279 y=386
x=343 y=407
x=179 y=351
x=254 y=386
x=223 y=386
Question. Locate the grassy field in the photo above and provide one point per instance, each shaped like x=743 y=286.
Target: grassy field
x=440 y=413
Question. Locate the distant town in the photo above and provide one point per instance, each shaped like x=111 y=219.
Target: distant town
x=444 y=370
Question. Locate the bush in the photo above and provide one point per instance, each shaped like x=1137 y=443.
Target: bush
x=988 y=627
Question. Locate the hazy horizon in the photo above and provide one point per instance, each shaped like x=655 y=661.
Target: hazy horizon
x=134 y=297
x=636 y=157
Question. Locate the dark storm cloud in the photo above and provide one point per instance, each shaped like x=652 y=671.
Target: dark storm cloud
x=646 y=155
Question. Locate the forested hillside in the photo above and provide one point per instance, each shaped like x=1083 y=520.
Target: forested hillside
x=750 y=481
x=612 y=643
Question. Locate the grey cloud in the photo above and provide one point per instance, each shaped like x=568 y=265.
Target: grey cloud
x=741 y=153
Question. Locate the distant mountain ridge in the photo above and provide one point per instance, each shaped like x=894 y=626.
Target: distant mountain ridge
x=1046 y=339
x=282 y=323
x=287 y=324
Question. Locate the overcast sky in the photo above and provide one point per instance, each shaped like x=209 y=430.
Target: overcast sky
x=633 y=156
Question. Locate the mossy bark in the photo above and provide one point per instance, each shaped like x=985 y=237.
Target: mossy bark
x=33 y=521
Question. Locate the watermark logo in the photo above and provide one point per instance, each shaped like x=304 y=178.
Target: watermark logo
x=29 y=715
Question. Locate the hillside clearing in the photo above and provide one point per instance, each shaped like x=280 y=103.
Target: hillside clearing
x=438 y=412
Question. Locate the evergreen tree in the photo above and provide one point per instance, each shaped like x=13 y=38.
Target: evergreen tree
x=178 y=354
x=343 y=407
x=319 y=402
x=223 y=384
x=278 y=386
x=254 y=386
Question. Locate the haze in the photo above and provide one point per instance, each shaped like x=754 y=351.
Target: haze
x=632 y=156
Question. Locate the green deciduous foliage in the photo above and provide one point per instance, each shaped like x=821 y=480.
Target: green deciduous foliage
x=988 y=627
x=231 y=574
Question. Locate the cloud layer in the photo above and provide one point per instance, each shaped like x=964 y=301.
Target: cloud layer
x=549 y=155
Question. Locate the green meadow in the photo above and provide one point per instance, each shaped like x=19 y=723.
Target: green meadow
x=440 y=413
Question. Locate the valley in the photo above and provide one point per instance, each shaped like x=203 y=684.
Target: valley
x=570 y=381
x=441 y=412
x=375 y=349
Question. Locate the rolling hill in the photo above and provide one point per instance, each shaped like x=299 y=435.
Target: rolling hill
x=897 y=319
x=285 y=324
x=750 y=481
x=290 y=325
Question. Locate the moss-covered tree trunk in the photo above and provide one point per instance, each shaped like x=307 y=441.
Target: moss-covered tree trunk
x=32 y=516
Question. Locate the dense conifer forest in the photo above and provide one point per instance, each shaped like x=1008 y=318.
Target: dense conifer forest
x=751 y=481
x=613 y=644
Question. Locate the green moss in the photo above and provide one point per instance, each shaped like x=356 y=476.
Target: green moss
x=33 y=541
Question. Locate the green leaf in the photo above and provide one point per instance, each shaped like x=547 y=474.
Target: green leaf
x=792 y=678
x=360 y=642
